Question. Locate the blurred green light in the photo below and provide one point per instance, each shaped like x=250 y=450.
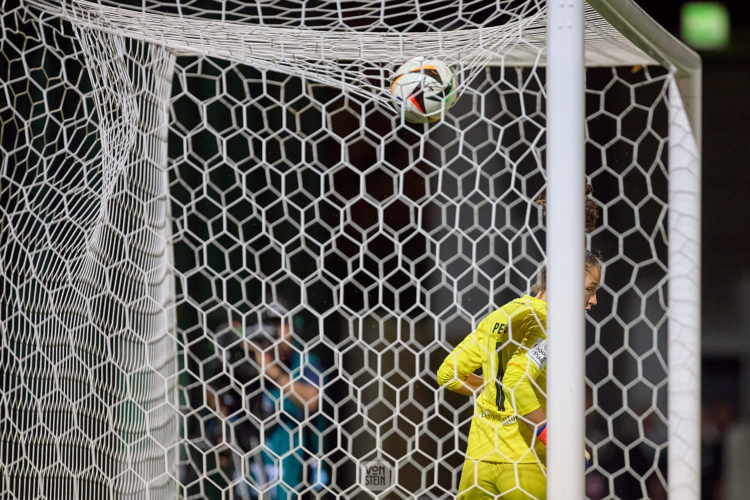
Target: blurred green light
x=705 y=25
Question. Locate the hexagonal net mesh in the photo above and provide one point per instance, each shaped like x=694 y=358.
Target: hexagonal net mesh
x=230 y=273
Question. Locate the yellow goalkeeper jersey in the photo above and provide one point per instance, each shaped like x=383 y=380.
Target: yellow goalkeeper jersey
x=510 y=346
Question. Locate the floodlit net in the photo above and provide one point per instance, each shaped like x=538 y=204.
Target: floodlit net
x=171 y=173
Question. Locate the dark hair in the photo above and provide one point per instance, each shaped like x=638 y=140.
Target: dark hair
x=590 y=258
x=591 y=208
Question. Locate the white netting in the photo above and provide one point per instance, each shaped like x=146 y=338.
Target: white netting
x=355 y=48
x=169 y=171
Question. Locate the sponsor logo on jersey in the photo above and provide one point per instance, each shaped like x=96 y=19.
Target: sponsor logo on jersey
x=538 y=353
x=498 y=418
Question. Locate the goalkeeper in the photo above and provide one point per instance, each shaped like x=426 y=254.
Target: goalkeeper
x=506 y=450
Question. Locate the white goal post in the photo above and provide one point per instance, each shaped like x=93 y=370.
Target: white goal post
x=565 y=99
x=177 y=175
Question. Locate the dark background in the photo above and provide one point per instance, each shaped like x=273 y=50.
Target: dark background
x=726 y=239
x=726 y=105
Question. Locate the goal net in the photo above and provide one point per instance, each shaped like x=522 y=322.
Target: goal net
x=179 y=175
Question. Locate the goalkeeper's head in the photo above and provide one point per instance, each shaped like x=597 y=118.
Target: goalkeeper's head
x=592 y=264
x=592 y=280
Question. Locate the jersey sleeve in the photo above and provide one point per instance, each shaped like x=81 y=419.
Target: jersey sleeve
x=464 y=360
x=524 y=367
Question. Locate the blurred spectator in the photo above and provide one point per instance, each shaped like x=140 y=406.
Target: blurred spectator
x=269 y=396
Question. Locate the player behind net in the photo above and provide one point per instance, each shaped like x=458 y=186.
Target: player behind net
x=506 y=451
x=268 y=378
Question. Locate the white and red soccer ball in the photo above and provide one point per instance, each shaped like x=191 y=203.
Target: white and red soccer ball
x=423 y=89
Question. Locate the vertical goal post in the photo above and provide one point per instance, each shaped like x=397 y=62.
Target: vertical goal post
x=685 y=122
x=564 y=32
x=173 y=171
x=565 y=247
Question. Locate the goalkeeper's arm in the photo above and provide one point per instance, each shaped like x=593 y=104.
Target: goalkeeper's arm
x=449 y=378
x=517 y=383
x=537 y=422
x=457 y=371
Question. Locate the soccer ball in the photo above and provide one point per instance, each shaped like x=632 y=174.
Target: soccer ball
x=423 y=89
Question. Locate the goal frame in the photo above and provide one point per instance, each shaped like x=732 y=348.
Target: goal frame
x=565 y=161
x=565 y=154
